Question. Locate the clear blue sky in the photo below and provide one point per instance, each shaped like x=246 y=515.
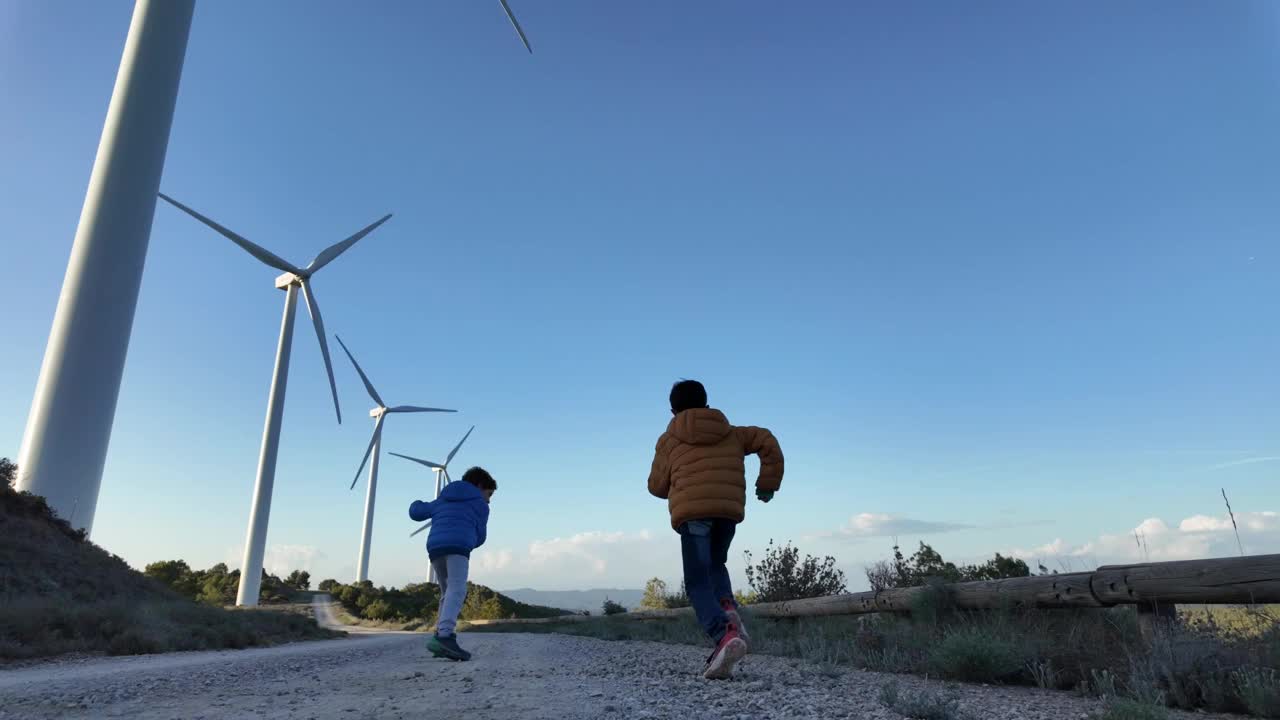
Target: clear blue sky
x=1007 y=266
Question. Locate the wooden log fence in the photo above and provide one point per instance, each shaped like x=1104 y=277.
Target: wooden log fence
x=1154 y=587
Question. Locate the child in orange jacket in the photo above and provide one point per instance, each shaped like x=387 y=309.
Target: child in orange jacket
x=698 y=468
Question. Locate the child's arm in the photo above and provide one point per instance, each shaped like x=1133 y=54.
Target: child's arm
x=759 y=441
x=419 y=510
x=660 y=472
x=483 y=530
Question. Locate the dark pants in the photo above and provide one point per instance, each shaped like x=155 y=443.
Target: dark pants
x=704 y=545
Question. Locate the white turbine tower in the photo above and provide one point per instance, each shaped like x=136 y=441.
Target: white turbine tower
x=442 y=478
x=378 y=414
x=292 y=279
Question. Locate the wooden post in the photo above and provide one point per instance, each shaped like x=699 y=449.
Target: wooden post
x=1154 y=620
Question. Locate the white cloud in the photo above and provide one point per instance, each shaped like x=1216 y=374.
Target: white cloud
x=284 y=559
x=1198 y=536
x=281 y=560
x=491 y=560
x=586 y=559
x=869 y=525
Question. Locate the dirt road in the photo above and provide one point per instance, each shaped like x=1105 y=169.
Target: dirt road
x=391 y=675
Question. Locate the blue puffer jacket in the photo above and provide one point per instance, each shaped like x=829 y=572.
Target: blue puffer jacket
x=459 y=520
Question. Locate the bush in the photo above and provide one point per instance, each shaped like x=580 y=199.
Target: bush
x=327 y=586
x=782 y=575
x=1259 y=689
x=418 y=603
x=927 y=566
x=378 y=610
x=612 y=608
x=977 y=654
x=656 y=596
x=218 y=586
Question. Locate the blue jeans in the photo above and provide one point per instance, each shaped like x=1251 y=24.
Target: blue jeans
x=704 y=547
x=451 y=573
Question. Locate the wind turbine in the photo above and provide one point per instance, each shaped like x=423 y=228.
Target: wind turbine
x=441 y=471
x=64 y=446
x=379 y=414
x=293 y=278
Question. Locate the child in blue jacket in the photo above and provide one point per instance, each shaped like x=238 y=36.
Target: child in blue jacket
x=459 y=521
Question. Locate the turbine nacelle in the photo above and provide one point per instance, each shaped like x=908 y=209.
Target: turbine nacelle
x=292 y=276
x=380 y=412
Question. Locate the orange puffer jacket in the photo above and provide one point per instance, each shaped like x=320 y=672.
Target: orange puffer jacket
x=698 y=466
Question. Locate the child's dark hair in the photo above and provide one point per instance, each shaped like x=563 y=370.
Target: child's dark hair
x=687 y=395
x=481 y=478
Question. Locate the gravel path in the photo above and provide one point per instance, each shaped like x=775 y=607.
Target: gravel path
x=392 y=675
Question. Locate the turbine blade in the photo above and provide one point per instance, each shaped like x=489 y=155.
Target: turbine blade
x=424 y=527
x=459 y=446
x=428 y=463
x=377 y=431
x=447 y=479
x=314 y=309
x=416 y=409
x=333 y=251
x=516 y=24
x=263 y=254
x=363 y=378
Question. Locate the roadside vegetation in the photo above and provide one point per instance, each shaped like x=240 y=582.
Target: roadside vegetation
x=60 y=593
x=415 y=606
x=1221 y=659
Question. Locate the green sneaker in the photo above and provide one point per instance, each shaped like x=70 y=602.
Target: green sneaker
x=447 y=647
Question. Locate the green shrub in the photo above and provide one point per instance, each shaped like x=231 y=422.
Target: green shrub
x=974 y=653
x=783 y=575
x=378 y=610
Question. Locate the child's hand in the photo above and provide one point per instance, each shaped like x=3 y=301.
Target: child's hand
x=764 y=495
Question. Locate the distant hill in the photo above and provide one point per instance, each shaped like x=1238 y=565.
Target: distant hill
x=61 y=593
x=577 y=599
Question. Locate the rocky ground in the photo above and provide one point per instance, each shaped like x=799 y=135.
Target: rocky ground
x=391 y=675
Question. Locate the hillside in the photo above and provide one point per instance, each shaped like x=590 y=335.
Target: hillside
x=579 y=600
x=61 y=593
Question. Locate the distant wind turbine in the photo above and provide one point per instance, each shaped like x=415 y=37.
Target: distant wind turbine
x=379 y=414
x=441 y=470
x=293 y=278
